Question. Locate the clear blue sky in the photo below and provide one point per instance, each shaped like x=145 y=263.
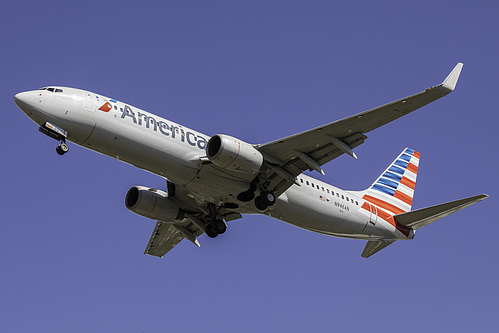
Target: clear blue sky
x=71 y=254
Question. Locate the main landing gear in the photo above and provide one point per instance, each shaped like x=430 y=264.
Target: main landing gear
x=215 y=228
x=264 y=200
x=214 y=225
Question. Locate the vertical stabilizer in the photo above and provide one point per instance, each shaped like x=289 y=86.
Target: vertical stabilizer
x=393 y=191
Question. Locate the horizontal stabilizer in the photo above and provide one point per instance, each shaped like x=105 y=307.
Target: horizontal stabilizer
x=373 y=247
x=422 y=217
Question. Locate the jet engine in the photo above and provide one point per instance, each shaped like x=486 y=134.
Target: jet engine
x=153 y=204
x=233 y=154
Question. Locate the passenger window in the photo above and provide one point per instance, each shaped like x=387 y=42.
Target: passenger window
x=348 y=199
x=301 y=179
x=338 y=195
x=342 y=197
x=313 y=185
x=308 y=183
x=327 y=191
x=317 y=186
x=357 y=203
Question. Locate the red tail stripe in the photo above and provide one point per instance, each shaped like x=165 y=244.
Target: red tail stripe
x=383 y=204
x=403 y=197
x=416 y=154
x=407 y=182
x=388 y=218
x=411 y=167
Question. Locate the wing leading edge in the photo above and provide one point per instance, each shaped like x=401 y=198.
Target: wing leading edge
x=309 y=150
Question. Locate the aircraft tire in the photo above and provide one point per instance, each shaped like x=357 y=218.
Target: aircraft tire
x=210 y=232
x=219 y=226
x=64 y=147
x=268 y=198
x=260 y=204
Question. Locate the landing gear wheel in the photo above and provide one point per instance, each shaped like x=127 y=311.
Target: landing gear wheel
x=210 y=232
x=219 y=226
x=268 y=198
x=62 y=148
x=260 y=203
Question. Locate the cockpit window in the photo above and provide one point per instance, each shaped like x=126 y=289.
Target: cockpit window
x=52 y=89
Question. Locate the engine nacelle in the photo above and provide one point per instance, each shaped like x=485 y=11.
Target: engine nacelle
x=233 y=154
x=153 y=204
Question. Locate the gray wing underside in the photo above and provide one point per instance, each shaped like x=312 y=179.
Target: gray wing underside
x=166 y=236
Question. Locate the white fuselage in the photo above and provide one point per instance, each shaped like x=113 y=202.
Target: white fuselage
x=176 y=152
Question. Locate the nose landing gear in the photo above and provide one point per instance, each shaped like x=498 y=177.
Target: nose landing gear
x=62 y=148
x=56 y=133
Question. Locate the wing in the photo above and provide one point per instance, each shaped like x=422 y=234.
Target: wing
x=166 y=236
x=290 y=156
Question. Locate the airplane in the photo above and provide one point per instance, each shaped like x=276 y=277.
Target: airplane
x=214 y=180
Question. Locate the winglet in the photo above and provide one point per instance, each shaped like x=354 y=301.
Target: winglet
x=451 y=80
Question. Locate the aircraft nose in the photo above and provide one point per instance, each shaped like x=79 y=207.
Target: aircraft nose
x=23 y=99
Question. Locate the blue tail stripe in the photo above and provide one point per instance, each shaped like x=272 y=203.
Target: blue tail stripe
x=383 y=189
x=396 y=169
x=410 y=151
x=387 y=182
x=392 y=176
x=405 y=157
x=401 y=163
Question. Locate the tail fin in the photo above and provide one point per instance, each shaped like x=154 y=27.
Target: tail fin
x=394 y=189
